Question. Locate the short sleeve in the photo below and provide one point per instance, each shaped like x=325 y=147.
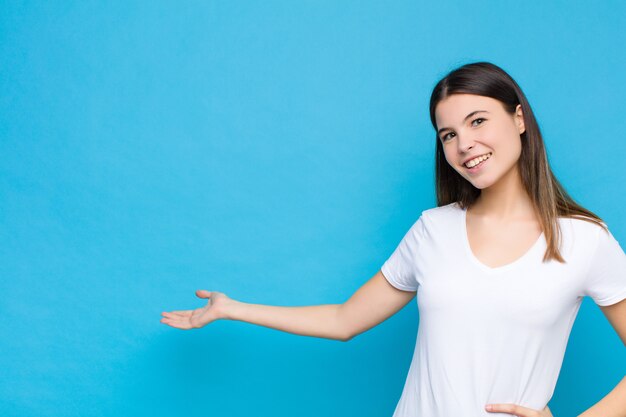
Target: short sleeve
x=400 y=268
x=605 y=282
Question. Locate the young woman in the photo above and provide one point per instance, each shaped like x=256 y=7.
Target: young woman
x=499 y=267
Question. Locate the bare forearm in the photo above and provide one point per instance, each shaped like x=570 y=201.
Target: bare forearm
x=612 y=405
x=317 y=321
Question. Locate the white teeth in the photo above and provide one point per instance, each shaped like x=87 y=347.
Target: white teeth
x=477 y=160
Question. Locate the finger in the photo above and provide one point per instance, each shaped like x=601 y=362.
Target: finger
x=514 y=409
x=179 y=324
x=203 y=294
x=171 y=316
x=184 y=314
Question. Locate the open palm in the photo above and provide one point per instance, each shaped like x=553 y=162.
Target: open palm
x=193 y=319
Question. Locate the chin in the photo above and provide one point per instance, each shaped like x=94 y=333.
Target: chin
x=481 y=184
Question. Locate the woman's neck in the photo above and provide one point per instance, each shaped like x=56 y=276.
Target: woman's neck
x=505 y=200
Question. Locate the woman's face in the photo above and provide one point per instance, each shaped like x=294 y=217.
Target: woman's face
x=470 y=126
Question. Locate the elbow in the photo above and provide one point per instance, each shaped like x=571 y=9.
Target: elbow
x=347 y=336
x=352 y=334
x=343 y=327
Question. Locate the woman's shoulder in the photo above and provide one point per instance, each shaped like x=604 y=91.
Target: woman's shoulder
x=583 y=231
x=584 y=225
x=444 y=211
x=441 y=217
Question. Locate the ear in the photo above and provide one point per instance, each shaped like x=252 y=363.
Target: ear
x=520 y=119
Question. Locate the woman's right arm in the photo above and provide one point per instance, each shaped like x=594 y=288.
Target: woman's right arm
x=370 y=305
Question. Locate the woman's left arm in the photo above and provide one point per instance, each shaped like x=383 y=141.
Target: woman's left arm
x=612 y=405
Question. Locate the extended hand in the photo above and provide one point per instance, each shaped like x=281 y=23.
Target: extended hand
x=518 y=410
x=190 y=319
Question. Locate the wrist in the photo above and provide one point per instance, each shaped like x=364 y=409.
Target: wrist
x=229 y=310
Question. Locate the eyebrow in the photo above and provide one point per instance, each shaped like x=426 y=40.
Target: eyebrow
x=466 y=117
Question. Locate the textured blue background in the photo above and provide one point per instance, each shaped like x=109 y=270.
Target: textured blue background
x=275 y=151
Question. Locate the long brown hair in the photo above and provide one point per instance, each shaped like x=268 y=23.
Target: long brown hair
x=548 y=196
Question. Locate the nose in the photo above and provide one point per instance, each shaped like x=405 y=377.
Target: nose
x=465 y=142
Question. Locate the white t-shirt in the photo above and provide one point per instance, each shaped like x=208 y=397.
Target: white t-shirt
x=494 y=335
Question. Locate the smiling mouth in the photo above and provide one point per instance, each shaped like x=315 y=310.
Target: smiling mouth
x=476 y=162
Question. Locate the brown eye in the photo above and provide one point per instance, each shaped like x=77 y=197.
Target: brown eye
x=443 y=139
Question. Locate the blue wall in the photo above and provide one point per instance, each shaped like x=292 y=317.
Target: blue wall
x=274 y=151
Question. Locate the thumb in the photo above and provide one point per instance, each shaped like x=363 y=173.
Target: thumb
x=203 y=294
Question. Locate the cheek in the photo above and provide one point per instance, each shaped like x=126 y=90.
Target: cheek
x=505 y=141
x=446 y=154
x=455 y=167
x=513 y=146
